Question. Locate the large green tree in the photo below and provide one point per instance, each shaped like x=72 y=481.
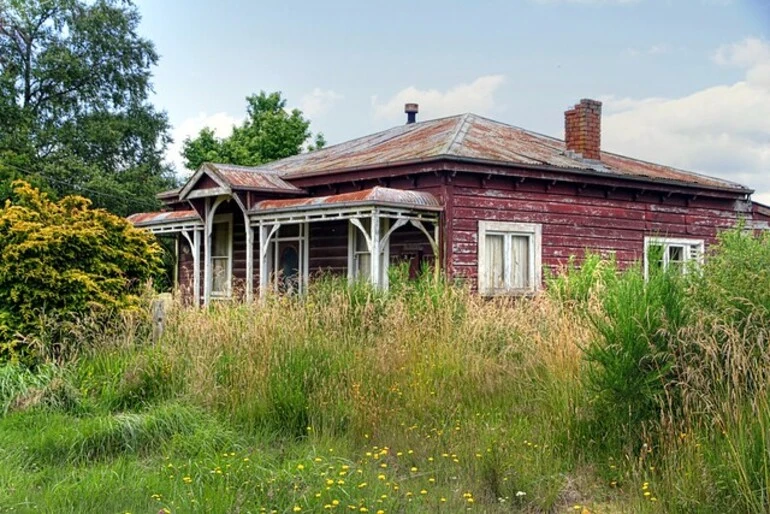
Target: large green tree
x=74 y=110
x=270 y=132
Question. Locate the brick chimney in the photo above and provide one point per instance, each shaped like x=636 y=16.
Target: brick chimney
x=583 y=129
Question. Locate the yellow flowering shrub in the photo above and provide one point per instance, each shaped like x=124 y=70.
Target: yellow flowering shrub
x=63 y=259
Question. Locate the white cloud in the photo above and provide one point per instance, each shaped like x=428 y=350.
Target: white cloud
x=477 y=97
x=221 y=122
x=318 y=102
x=762 y=198
x=721 y=130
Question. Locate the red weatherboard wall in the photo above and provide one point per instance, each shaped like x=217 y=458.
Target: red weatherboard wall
x=575 y=217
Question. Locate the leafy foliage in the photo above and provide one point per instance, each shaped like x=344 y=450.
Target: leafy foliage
x=74 y=84
x=632 y=356
x=63 y=259
x=269 y=133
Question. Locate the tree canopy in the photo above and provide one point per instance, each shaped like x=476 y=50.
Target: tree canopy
x=74 y=86
x=270 y=132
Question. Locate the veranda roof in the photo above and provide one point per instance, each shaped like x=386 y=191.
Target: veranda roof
x=392 y=202
x=167 y=221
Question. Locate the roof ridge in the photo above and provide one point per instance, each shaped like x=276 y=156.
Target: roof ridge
x=459 y=134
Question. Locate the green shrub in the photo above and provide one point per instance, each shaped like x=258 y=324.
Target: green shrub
x=632 y=357
x=60 y=261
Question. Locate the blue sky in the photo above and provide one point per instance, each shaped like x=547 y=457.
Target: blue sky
x=684 y=82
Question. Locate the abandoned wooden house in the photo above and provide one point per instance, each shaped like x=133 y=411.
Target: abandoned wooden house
x=485 y=202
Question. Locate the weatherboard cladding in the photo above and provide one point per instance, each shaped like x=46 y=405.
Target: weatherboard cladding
x=573 y=219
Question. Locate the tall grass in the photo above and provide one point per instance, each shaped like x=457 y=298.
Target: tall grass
x=609 y=392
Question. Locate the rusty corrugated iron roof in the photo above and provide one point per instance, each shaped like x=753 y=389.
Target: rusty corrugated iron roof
x=141 y=219
x=473 y=137
x=244 y=177
x=376 y=195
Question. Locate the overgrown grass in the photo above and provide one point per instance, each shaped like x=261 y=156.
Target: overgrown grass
x=607 y=393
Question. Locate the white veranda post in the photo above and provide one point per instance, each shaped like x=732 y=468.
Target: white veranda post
x=375 y=249
x=266 y=233
x=195 y=249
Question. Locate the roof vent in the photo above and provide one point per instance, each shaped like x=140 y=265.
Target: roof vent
x=411 y=111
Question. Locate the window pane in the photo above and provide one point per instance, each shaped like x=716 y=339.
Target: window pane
x=220 y=239
x=676 y=258
x=494 y=261
x=289 y=270
x=219 y=275
x=289 y=231
x=520 y=262
x=655 y=256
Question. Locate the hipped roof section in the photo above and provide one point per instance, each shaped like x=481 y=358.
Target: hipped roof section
x=467 y=138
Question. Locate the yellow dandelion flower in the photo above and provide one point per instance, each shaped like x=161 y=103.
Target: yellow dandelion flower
x=413 y=469
x=300 y=467
x=297 y=508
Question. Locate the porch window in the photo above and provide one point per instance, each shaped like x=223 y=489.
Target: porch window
x=361 y=257
x=671 y=253
x=509 y=257
x=221 y=256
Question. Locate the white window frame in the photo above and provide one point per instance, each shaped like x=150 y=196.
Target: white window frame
x=534 y=232
x=354 y=233
x=666 y=243
x=228 y=220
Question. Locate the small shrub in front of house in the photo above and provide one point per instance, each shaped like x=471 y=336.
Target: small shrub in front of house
x=60 y=261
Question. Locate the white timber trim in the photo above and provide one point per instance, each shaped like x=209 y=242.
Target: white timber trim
x=694 y=250
x=533 y=231
x=210 y=210
x=226 y=219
